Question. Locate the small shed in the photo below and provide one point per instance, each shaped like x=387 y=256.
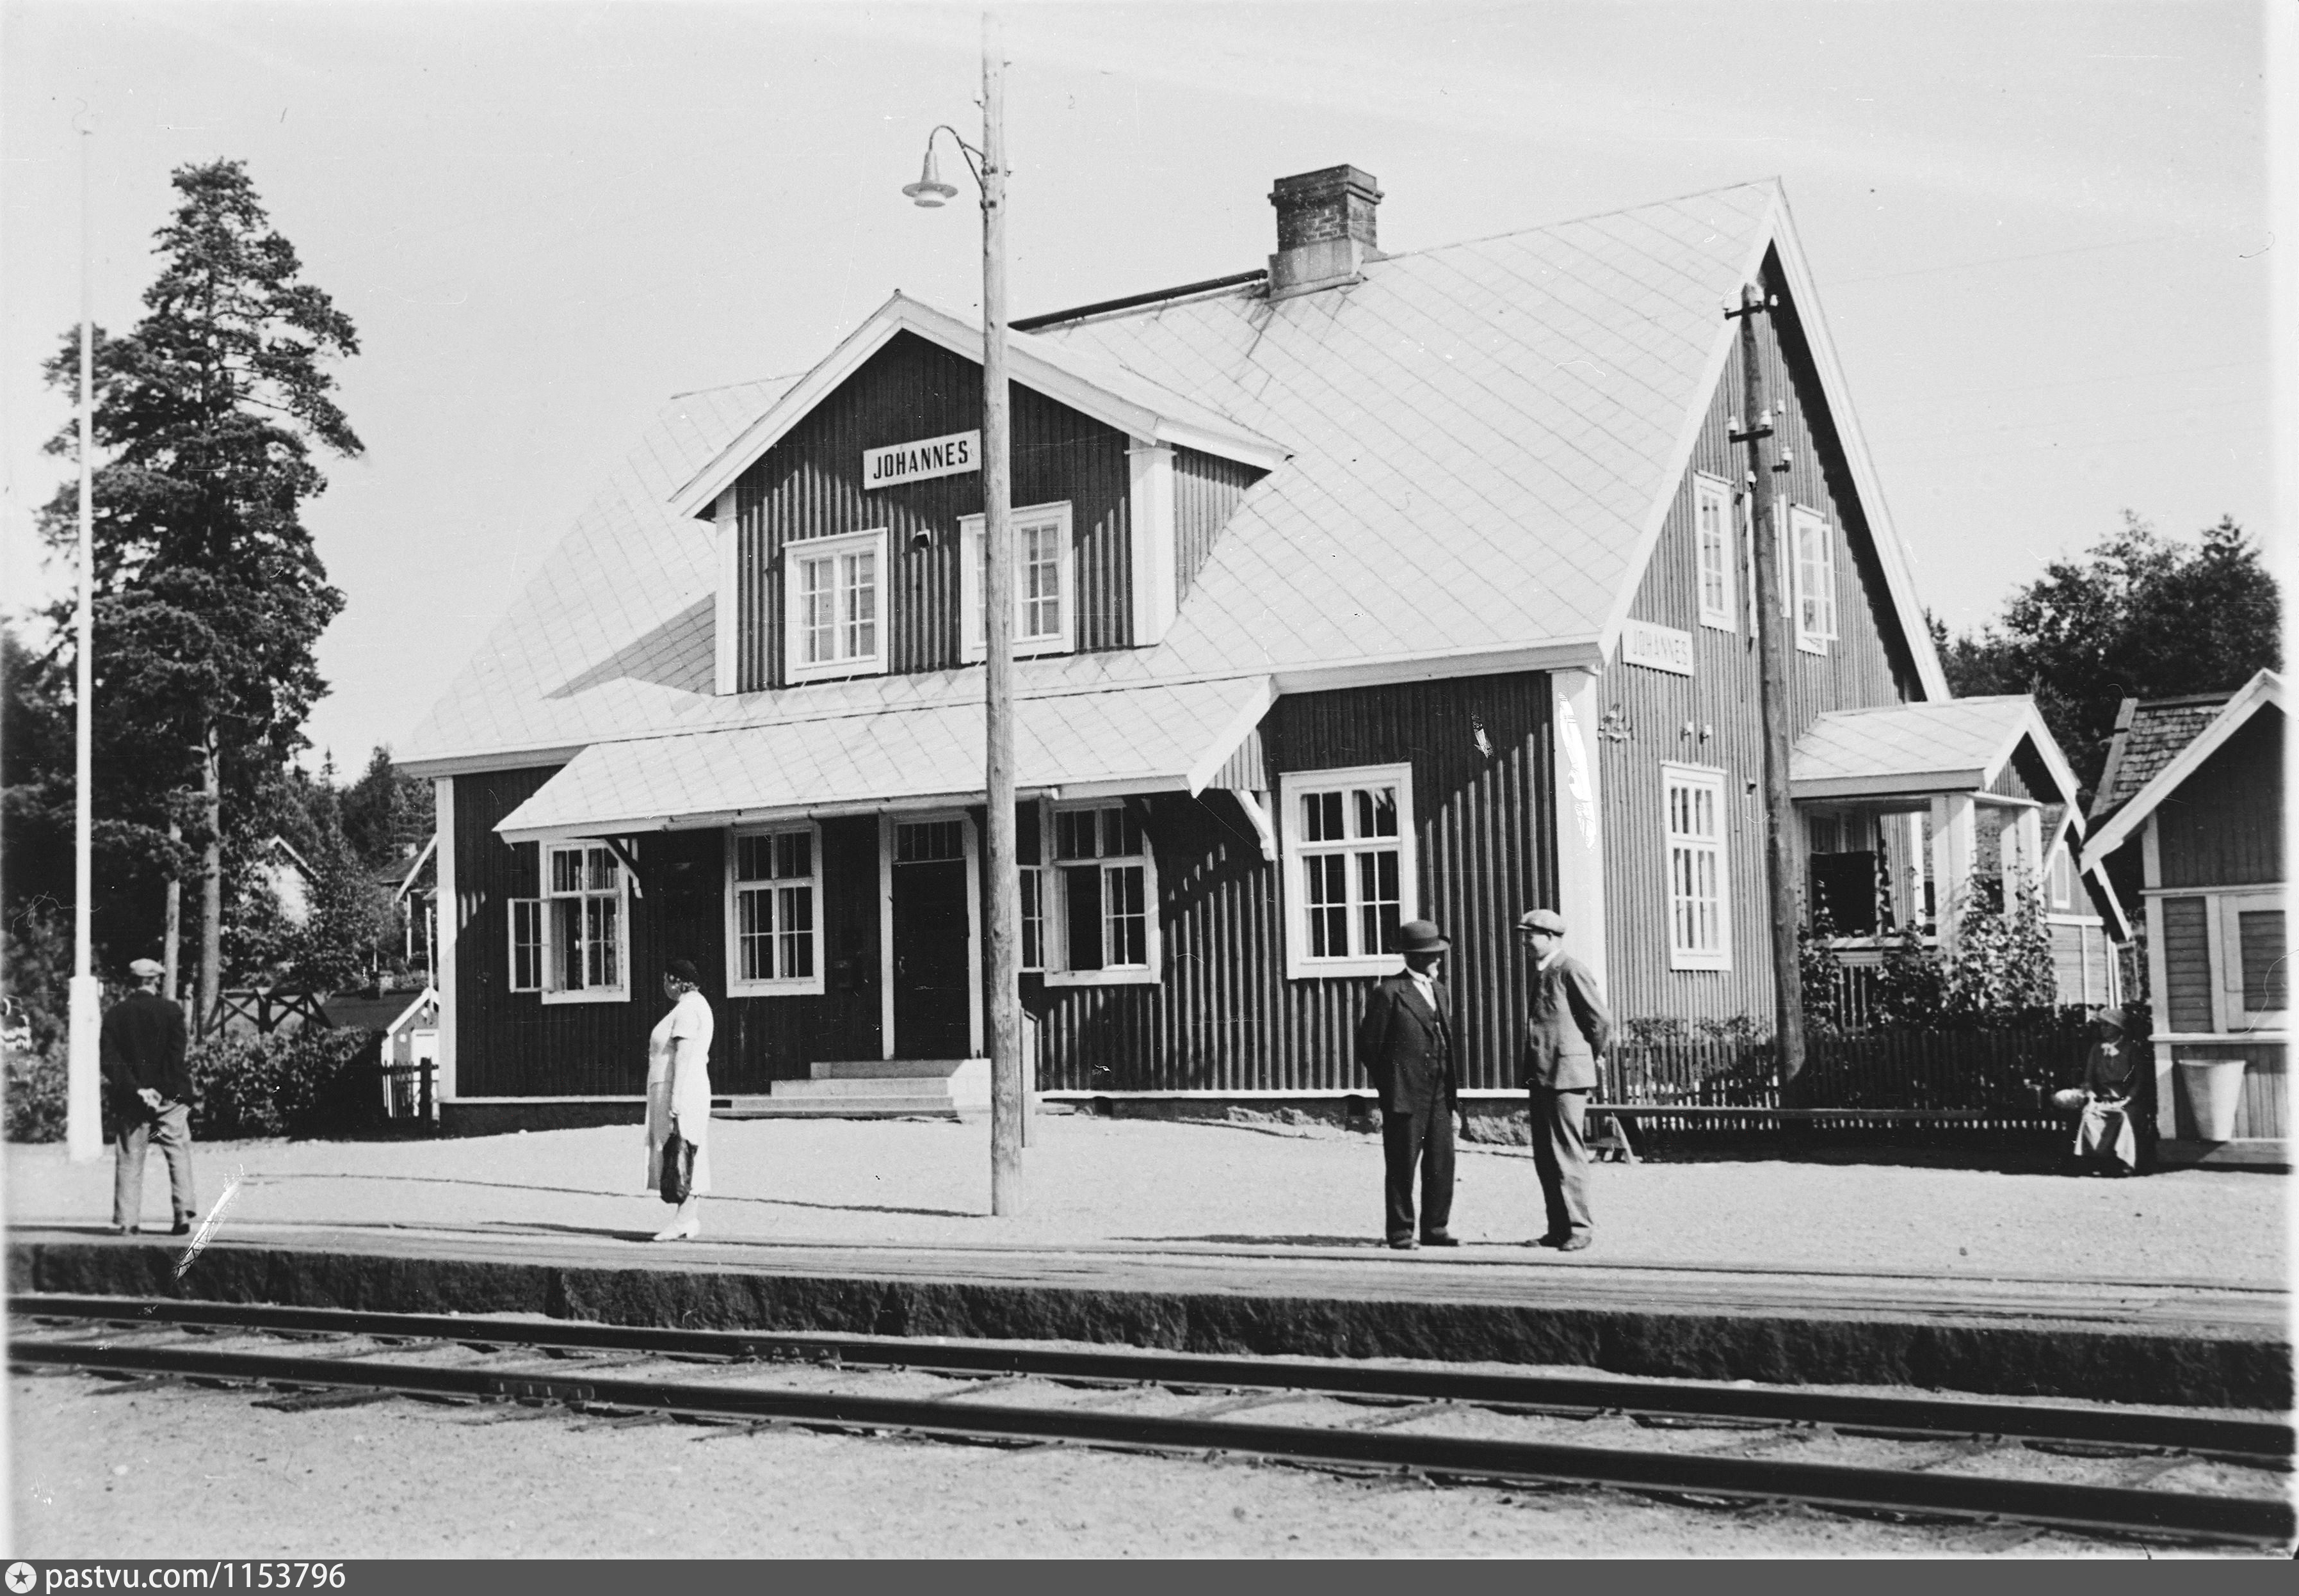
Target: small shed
x=2189 y=816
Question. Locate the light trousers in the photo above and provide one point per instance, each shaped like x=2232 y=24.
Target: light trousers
x=171 y=1128
x=1560 y=1156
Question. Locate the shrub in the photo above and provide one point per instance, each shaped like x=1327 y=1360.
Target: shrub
x=307 y=1083
x=38 y=1084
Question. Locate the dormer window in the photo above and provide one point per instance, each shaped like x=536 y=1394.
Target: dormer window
x=834 y=613
x=1045 y=583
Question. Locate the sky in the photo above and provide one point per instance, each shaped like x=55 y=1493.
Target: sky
x=2040 y=231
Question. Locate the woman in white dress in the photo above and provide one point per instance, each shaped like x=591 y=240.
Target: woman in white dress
x=678 y=1091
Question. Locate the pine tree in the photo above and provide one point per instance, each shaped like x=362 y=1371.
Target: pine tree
x=209 y=596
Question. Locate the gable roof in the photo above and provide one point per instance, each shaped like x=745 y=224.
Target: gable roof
x=2263 y=691
x=1097 y=388
x=1473 y=452
x=1960 y=746
x=2149 y=734
x=1488 y=436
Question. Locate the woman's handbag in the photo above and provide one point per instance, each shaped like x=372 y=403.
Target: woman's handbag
x=678 y=1172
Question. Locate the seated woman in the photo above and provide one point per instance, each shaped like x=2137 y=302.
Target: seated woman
x=2106 y=1138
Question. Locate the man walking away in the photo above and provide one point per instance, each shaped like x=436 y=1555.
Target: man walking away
x=1405 y=1043
x=1566 y=1033
x=151 y=1090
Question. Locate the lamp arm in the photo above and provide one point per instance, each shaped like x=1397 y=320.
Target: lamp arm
x=972 y=155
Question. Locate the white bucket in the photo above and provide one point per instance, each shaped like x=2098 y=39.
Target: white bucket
x=2214 y=1091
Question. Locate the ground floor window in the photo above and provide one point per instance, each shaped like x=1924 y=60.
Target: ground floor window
x=1350 y=872
x=1095 y=898
x=572 y=944
x=773 y=926
x=1700 y=930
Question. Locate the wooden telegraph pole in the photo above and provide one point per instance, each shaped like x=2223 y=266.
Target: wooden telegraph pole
x=1006 y=1102
x=1772 y=696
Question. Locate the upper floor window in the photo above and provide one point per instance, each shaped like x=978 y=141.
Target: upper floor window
x=833 y=607
x=573 y=944
x=1712 y=518
x=774 y=931
x=1814 y=544
x=2063 y=879
x=1351 y=878
x=1096 y=900
x=1699 y=929
x=1045 y=583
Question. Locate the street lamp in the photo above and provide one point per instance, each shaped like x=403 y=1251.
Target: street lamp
x=1007 y=1104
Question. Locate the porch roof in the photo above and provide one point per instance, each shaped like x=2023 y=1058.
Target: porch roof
x=1958 y=745
x=1164 y=738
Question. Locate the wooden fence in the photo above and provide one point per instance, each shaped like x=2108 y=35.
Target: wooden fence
x=1992 y=1080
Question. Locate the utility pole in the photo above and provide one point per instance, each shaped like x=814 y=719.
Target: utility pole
x=1773 y=695
x=1007 y=1104
x=83 y=1107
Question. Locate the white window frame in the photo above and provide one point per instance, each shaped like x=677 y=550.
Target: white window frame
x=1292 y=786
x=1711 y=780
x=737 y=985
x=1712 y=513
x=1815 y=585
x=2060 y=878
x=532 y=908
x=552 y=992
x=972 y=573
x=796 y=667
x=1053 y=905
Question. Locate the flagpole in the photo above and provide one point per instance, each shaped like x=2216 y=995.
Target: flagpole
x=83 y=1107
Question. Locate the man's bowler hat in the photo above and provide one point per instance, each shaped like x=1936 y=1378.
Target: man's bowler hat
x=1542 y=920
x=1421 y=936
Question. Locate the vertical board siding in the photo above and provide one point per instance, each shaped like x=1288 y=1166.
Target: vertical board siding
x=2265 y=1108
x=2224 y=825
x=1647 y=712
x=2187 y=964
x=513 y=1044
x=1206 y=489
x=809 y=485
x=1225 y=1016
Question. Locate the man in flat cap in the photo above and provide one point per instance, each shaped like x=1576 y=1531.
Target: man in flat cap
x=143 y=1049
x=1565 y=1034
x=1405 y=1043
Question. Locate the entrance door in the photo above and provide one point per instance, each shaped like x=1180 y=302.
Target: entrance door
x=933 y=938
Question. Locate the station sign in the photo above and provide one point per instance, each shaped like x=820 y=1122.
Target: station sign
x=928 y=457
x=1656 y=647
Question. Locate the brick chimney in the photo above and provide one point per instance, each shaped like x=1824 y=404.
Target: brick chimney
x=1325 y=230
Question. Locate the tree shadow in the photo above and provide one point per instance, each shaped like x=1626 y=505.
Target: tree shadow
x=2013 y=1155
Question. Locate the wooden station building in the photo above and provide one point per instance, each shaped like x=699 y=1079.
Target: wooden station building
x=1366 y=587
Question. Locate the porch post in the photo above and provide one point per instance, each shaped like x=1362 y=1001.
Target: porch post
x=446 y=923
x=1579 y=820
x=1955 y=841
x=2159 y=980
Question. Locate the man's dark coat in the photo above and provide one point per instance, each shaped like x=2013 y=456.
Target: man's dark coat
x=143 y=1045
x=1406 y=1048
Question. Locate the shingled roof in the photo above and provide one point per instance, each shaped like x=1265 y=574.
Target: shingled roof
x=2148 y=735
x=1485 y=439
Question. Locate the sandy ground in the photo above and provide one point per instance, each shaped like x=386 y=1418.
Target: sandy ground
x=103 y=1471
x=1097 y=1181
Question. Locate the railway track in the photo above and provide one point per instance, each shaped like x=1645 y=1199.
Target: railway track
x=630 y=1370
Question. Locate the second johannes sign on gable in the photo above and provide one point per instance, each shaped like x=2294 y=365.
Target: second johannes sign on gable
x=1656 y=647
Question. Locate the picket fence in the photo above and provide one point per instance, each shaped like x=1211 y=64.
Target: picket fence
x=1981 y=1079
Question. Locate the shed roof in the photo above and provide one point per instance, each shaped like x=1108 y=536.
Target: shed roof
x=1960 y=746
x=1142 y=739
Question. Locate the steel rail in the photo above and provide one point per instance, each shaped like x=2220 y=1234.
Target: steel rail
x=2244 y=1440
x=2095 y=1510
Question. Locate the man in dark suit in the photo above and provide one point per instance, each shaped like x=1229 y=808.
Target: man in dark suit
x=1566 y=1031
x=1405 y=1043
x=142 y=1048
